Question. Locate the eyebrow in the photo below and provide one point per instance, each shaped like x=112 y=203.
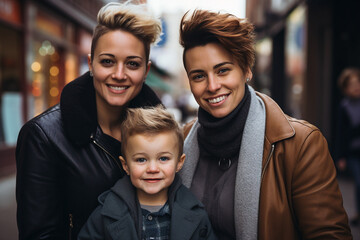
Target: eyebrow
x=215 y=67
x=112 y=55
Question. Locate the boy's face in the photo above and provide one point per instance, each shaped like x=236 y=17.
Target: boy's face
x=152 y=161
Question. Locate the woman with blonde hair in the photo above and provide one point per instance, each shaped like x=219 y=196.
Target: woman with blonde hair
x=69 y=154
x=260 y=173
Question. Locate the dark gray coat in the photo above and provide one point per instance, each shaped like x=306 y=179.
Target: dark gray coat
x=119 y=215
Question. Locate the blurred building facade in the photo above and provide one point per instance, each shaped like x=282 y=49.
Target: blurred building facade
x=43 y=45
x=302 y=46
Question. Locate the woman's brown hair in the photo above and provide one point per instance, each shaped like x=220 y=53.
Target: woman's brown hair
x=233 y=33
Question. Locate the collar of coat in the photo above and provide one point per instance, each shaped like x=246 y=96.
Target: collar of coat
x=78 y=107
x=277 y=127
x=126 y=191
x=183 y=205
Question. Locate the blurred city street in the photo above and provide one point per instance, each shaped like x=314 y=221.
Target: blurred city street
x=301 y=49
x=8 y=230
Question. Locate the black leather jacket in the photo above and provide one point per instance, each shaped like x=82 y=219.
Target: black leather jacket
x=64 y=162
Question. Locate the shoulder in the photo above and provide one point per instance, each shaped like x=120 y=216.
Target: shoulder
x=302 y=126
x=48 y=123
x=111 y=205
x=46 y=119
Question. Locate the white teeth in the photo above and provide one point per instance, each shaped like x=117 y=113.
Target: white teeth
x=117 y=88
x=216 y=100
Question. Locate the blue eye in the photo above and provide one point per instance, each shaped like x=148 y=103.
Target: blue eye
x=163 y=159
x=141 y=160
x=198 y=77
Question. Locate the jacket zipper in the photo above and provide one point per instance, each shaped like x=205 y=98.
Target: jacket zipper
x=71 y=225
x=102 y=148
x=268 y=160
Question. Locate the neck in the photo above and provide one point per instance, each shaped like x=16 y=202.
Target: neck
x=109 y=119
x=152 y=199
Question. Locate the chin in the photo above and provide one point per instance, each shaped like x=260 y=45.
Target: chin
x=219 y=114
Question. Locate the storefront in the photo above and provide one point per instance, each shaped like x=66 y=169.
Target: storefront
x=42 y=48
x=302 y=47
x=11 y=78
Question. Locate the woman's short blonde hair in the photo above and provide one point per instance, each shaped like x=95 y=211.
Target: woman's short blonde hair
x=133 y=18
x=149 y=121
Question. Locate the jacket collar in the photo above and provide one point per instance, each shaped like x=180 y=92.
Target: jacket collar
x=78 y=107
x=278 y=126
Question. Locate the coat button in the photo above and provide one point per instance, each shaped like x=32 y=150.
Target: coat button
x=149 y=217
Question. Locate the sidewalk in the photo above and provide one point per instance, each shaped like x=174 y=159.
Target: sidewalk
x=8 y=230
x=347 y=190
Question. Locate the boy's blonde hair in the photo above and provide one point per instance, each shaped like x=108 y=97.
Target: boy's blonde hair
x=133 y=18
x=152 y=120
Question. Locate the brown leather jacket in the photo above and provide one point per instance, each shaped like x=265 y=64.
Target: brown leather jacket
x=299 y=197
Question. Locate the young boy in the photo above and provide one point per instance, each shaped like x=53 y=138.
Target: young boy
x=150 y=203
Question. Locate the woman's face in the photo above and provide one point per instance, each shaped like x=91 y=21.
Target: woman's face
x=216 y=80
x=119 y=68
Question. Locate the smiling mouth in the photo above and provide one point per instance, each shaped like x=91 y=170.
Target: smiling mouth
x=152 y=180
x=217 y=99
x=117 y=88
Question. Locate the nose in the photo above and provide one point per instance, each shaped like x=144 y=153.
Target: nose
x=119 y=72
x=213 y=83
x=152 y=167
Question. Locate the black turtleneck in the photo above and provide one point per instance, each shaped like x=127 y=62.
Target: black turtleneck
x=221 y=137
x=214 y=179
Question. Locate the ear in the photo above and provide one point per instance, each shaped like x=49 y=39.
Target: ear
x=89 y=61
x=180 y=162
x=249 y=74
x=147 y=70
x=124 y=165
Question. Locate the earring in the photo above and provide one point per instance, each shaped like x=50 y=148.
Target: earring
x=247 y=79
x=91 y=74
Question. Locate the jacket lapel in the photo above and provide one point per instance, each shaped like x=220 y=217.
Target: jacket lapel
x=123 y=228
x=184 y=223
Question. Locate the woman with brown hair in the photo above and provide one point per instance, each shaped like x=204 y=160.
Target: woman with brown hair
x=260 y=173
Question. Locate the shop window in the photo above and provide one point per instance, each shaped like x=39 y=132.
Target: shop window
x=46 y=80
x=10 y=95
x=295 y=59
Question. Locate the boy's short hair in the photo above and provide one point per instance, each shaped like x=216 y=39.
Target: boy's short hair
x=150 y=120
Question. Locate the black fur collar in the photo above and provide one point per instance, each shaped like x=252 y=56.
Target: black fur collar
x=78 y=107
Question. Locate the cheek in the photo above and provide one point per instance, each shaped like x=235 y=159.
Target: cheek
x=136 y=172
x=196 y=90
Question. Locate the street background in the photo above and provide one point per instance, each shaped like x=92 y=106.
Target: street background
x=301 y=48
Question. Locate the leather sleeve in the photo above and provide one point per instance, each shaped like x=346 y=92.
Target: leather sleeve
x=39 y=188
x=316 y=197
